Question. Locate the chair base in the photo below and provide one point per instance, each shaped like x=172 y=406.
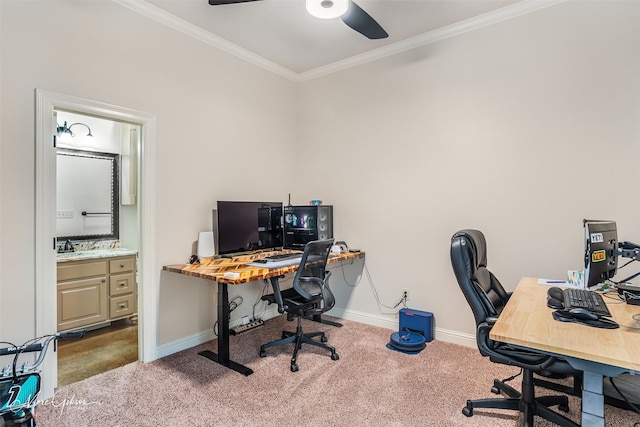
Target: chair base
x=318 y=318
x=574 y=390
x=298 y=338
x=525 y=402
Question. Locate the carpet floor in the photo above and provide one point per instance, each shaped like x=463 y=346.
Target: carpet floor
x=369 y=385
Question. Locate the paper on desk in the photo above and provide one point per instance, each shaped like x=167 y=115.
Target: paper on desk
x=552 y=282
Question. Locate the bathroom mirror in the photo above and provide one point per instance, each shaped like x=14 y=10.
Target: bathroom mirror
x=87 y=195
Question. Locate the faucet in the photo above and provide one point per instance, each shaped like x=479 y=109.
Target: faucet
x=68 y=247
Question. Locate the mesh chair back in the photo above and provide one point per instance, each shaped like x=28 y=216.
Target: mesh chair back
x=311 y=279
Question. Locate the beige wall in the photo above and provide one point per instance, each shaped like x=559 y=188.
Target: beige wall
x=520 y=129
x=221 y=122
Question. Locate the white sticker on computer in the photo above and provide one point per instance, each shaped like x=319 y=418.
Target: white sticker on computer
x=597 y=238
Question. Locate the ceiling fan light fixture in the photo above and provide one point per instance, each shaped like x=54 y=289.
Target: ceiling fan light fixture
x=327 y=9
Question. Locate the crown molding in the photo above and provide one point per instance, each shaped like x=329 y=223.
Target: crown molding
x=191 y=30
x=480 y=21
x=508 y=12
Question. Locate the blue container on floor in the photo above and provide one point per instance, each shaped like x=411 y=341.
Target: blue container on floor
x=406 y=342
x=417 y=321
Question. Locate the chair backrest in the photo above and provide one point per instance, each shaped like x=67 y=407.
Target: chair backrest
x=487 y=298
x=311 y=279
x=481 y=288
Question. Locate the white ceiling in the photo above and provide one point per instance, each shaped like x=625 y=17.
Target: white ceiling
x=281 y=34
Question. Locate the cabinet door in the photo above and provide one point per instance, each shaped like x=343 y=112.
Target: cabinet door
x=82 y=302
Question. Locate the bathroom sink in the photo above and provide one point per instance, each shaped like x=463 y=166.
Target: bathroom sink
x=93 y=254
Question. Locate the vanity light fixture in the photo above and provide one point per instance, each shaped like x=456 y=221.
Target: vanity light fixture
x=65 y=133
x=327 y=9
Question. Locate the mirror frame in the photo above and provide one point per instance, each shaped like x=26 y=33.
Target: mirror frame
x=115 y=199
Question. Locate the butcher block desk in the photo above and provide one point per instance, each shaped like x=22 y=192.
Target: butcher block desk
x=526 y=321
x=214 y=269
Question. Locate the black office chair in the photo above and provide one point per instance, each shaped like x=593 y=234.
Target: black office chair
x=309 y=296
x=487 y=298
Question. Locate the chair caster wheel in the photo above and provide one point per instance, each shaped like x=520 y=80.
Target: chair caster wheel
x=334 y=356
x=563 y=408
x=324 y=338
x=263 y=353
x=467 y=411
x=294 y=367
x=495 y=390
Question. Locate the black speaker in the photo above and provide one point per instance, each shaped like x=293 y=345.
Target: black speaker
x=303 y=224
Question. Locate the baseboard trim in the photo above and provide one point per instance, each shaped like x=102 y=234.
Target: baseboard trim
x=391 y=323
x=184 y=343
x=203 y=337
x=386 y=322
x=366 y=318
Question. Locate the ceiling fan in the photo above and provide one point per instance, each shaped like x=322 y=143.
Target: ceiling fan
x=350 y=13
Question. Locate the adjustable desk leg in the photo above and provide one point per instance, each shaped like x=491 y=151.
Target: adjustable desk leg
x=592 y=389
x=592 y=400
x=223 y=335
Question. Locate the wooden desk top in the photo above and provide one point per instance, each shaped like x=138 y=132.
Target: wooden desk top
x=214 y=268
x=526 y=321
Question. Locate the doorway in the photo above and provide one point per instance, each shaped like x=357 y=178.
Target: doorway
x=48 y=104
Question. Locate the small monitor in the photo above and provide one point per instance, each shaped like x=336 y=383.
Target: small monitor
x=248 y=226
x=601 y=244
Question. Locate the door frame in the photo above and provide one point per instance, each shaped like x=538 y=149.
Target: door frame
x=45 y=227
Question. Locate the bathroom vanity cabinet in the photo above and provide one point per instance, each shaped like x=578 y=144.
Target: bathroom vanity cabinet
x=96 y=291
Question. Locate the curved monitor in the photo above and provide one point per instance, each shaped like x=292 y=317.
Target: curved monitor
x=601 y=244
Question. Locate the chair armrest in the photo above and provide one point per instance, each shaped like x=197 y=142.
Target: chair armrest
x=275 y=284
x=321 y=283
x=303 y=292
x=490 y=348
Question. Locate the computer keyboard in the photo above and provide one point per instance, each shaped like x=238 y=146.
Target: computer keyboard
x=584 y=298
x=282 y=257
x=294 y=259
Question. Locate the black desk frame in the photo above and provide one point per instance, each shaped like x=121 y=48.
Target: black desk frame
x=222 y=357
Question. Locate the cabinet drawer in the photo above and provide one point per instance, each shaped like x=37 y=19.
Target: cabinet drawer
x=122 y=284
x=82 y=302
x=121 y=265
x=122 y=306
x=78 y=270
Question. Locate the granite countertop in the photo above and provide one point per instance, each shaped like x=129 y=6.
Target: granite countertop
x=94 y=254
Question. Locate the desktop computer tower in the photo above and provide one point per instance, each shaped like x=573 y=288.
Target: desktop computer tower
x=303 y=224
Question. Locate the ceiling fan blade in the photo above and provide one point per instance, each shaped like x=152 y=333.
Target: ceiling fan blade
x=219 y=2
x=360 y=21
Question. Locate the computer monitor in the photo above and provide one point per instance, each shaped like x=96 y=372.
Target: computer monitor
x=600 y=258
x=247 y=226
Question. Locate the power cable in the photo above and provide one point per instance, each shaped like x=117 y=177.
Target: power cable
x=402 y=300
